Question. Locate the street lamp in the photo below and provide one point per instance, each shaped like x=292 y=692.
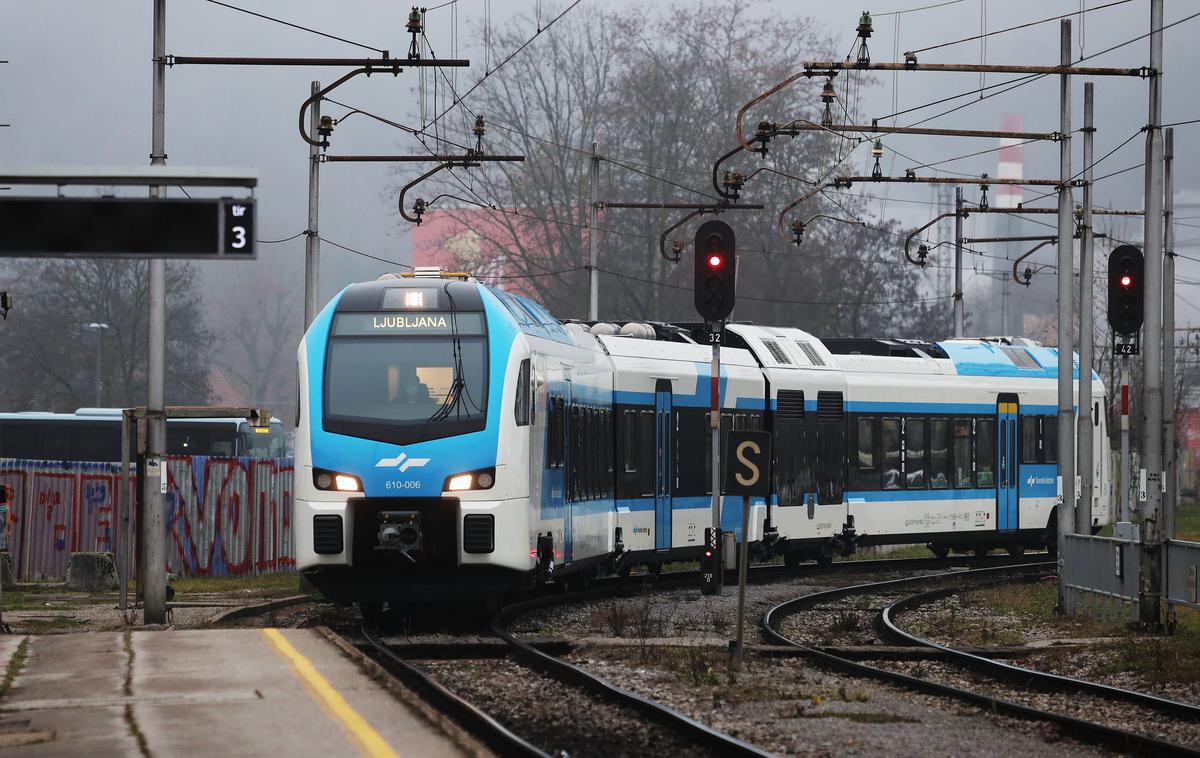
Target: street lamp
x=98 y=328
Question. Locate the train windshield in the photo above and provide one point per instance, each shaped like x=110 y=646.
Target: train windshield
x=406 y=378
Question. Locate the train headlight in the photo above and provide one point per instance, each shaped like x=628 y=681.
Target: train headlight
x=483 y=479
x=329 y=480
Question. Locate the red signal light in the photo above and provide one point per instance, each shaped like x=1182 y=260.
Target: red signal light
x=715 y=261
x=1126 y=281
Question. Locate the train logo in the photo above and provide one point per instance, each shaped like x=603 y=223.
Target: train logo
x=402 y=461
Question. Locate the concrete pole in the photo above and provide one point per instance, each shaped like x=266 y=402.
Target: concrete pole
x=1168 y=329
x=312 y=242
x=99 y=332
x=152 y=580
x=958 y=252
x=1083 y=513
x=1150 y=589
x=715 y=429
x=1066 y=399
x=593 y=274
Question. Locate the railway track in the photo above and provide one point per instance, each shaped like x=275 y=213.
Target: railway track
x=1136 y=705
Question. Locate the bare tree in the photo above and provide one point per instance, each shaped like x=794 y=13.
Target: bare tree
x=659 y=94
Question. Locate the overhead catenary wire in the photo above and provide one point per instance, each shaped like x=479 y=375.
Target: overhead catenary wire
x=310 y=30
x=1026 y=25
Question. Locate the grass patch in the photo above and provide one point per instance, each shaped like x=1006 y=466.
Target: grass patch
x=49 y=625
x=15 y=663
x=266 y=585
x=861 y=717
x=1187 y=520
x=900 y=551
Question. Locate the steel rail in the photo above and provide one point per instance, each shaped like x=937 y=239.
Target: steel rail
x=1106 y=736
x=482 y=726
x=1025 y=676
x=722 y=743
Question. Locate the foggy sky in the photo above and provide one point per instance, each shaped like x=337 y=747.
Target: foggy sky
x=77 y=91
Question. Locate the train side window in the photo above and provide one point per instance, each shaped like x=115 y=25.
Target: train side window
x=914 y=449
x=629 y=441
x=1050 y=438
x=866 y=444
x=939 y=453
x=646 y=446
x=1029 y=439
x=962 y=452
x=521 y=407
x=891 y=453
x=985 y=452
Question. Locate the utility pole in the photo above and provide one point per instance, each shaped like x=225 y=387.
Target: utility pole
x=1066 y=425
x=1168 y=329
x=152 y=579
x=958 y=253
x=1150 y=589
x=1083 y=514
x=312 y=240
x=593 y=274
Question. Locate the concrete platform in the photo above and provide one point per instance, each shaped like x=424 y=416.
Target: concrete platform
x=235 y=692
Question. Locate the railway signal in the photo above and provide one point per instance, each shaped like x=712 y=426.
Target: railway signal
x=716 y=270
x=1126 y=297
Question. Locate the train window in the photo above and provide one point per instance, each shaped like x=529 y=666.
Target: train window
x=1029 y=439
x=630 y=441
x=985 y=452
x=521 y=407
x=939 y=453
x=1050 y=438
x=866 y=444
x=891 y=453
x=962 y=452
x=554 y=434
x=646 y=447
x=914 y=449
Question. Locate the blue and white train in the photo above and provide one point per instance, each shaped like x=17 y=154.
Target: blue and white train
x=453 y=437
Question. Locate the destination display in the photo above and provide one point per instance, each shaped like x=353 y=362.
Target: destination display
x=127 y=227
x=426 y=323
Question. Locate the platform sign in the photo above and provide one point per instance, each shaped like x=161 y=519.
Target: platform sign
x=748 y=464
x=127 y=227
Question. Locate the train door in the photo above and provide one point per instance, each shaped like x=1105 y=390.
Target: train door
x=1009 y=460
x=664 y=453
x=571 y=433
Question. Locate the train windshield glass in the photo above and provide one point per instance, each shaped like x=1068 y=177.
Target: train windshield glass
x=404 y=387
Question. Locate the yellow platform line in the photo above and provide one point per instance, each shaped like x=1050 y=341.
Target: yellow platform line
x=368 y=741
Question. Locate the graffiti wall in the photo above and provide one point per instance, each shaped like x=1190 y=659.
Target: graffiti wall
x=225 y=516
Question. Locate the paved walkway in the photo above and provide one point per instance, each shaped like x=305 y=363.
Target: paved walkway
x=236 y=692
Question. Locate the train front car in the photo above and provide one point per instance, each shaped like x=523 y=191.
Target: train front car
x=404 y=487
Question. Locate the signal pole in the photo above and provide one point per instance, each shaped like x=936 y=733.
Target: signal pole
x=593 y=275
x=1168 y=329
x=958 y=252
x=1150 y=589
x=312 y=240
x=1066 y=416
x=1083 y=514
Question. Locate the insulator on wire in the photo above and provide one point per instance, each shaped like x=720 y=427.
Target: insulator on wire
x=325 y=126
x=733 y=182
x=983 y=201
x=910 y=60
x=877 y=153
x=1028 y=276
x=419 y=208
x=415 y=27
x=828 y=95
x=797 y=232
x=910 y=174
x=864 y=32
x=478 y=130
x=922 y=254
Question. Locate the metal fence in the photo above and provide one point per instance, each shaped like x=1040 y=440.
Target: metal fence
x=1100 y=576
x=225 y=516
x=1180 y=562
